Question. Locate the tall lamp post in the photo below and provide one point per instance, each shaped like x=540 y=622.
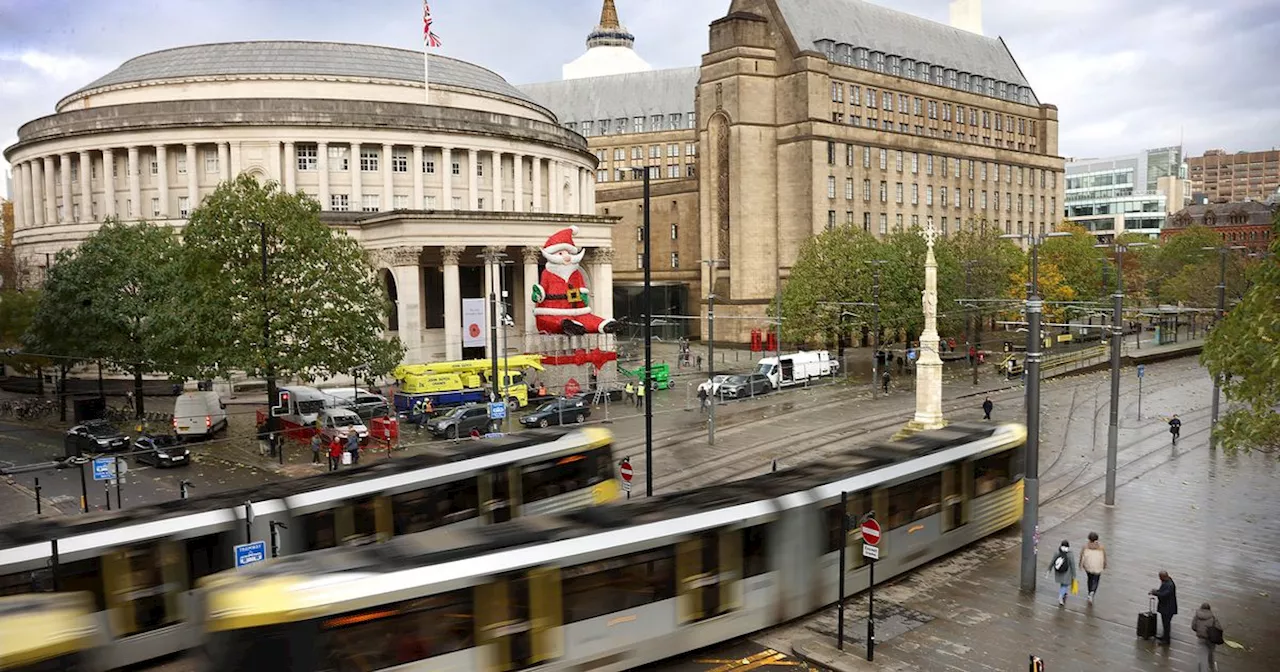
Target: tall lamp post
x=272 y=392
x=1031 y=481
x=969 y=321
x=875 y=324
x=648 y=339
x=711 y=350
x=1217 y=317
x=1117 y=333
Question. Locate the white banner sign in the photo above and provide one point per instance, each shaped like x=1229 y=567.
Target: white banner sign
x=474 y=323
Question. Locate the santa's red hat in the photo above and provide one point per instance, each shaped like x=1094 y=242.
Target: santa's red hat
x=561 y=240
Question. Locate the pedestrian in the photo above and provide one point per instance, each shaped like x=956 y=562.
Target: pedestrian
x=1166 y=604
x=884 y=380
x=1063 y=568
x=1175 y=428
x=703 y=393
x=640 y=392
x=1093 y=559
x=335 y=454
x=353 y=447
x=630 y=391
x=316 y=441
x=1208 y=631
x=973 y=353
x=263 y=440
x=699 y=362
x=418 y=413
x=987 y=406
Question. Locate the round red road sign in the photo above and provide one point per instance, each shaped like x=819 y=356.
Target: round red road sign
x=572 y=387
x=871 y=531
x=625 y=471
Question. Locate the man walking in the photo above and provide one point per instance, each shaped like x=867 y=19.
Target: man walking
x=335 y=454
x=702 y=399
x=1093 y=559
x=1175 y=428
x=316 y=441
x=353 y=447
x=987 y=406
x=640 y=392
x=1166 y=604
x=884 y=381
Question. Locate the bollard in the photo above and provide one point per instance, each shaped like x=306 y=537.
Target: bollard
x=37 y=496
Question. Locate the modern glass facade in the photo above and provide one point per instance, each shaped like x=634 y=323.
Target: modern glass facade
x=1123 y=194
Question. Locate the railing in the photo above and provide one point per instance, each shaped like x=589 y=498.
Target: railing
x=1070 y=361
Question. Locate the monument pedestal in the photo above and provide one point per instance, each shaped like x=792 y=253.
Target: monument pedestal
x=929 y=369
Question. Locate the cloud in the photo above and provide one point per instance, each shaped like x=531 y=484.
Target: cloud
x=1124 y=75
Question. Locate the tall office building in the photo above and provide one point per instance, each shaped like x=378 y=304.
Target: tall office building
x=1226 y=178
x=1127 y=194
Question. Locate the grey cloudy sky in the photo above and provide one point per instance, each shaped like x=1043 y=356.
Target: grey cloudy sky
x=1124 y=75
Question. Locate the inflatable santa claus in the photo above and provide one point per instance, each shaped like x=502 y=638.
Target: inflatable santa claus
x=561 y=298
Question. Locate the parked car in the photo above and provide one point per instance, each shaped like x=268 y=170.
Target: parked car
x=561 y=411
x=748 y=385
x=368 y=405
x=95 y=436
x=460 y=421
x=199 y=415
x=340 y=422
x=713 y=386
x=164 y=450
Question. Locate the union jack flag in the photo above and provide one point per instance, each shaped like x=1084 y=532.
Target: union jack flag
x=429 y=38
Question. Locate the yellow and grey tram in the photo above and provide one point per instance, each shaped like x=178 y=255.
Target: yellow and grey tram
x=47 y=632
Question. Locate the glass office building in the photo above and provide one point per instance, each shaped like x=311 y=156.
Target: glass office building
x=1126 y=194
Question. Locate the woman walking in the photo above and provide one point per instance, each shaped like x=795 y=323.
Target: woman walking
x=1063 y=568
x=1093 y=559
x=1207 y=629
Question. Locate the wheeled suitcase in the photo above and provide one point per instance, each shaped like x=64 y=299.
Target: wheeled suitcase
x=1147 y=621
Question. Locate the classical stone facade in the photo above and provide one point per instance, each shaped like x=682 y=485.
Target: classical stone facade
x=426 y=188
x=812 y=115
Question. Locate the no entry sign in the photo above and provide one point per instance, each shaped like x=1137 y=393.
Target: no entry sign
x=625 y=471
x=871 y=531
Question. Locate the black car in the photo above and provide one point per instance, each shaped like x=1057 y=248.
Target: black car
x=164 y=450
x=743 y=386
x=95 y=436
x=460 y=421
x=562 y=411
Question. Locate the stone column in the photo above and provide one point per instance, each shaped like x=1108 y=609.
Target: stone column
x=108 y=183
x=64 y=176
x=584 y=188
x=446 y=178
x=86 y=188
x=357 y=192
x=322 y=164
x=290 y=167
x=929 y=363
x=224 y=162
x=162 y=159
x=473 y=180
x=532 y=254
x=497 y=181
x=388 y=185
x=50 y=192
x=135 y=186
x=537 y=183
x=407 y=269
x=452 y=302
x=235 y=165
x=193 y=178
x=22 y=215
x=418 y=177
x=517 y=182
x=37 y=191
x=492 y=269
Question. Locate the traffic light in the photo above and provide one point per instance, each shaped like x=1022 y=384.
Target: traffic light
x=281 y=406
x=1037 y=665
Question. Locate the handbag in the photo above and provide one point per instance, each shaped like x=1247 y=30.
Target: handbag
x=1215 y=635
x=1075 y=587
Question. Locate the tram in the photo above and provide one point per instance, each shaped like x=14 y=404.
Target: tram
x=617 y=587
x=47 y=632
x=140 y=564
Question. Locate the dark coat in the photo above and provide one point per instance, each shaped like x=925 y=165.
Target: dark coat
x=987 y=406
x=1167 y=598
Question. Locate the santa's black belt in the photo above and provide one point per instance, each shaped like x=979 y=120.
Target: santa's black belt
x=561 y=297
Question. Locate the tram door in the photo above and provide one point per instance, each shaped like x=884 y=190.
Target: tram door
x=709 y=571
x=496 y=493
x=143 y=586
x=956 y=494
x=519 y=618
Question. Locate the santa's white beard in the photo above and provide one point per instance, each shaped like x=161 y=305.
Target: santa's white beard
x=562 y=269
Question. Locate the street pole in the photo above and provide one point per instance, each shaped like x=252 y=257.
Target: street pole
x=844 y=542
x=1031 y=482
x=648 y=343
x=1222 y=305
x=493 y=341
x=272 y=391
x=875 y=333
x=84 y=492
x=37 y=496
x=871 y=608
x=275 y=537
x=1113 y=423
x=248 y=522
x=119 y=498
x=711 y=359
x=968 y=322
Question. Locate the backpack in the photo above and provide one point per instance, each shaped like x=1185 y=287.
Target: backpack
x=1060 y=563
x=1215 y=635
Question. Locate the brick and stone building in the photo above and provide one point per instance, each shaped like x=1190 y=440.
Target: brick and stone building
x=1248 y=223
x=440 y=194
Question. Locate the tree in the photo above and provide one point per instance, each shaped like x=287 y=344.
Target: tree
x=321 y=301
x=992 y=264
x=831 y=267
x=1076 y=259
x=1244 y=349
x=1189 y=273
x=112 y=300
x=8 y=274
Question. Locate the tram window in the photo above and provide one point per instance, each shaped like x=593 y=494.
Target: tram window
x=147 y=588
x=429 y=508
x=914 y=500
x=994 y=472
x=204 y=557
x=86 y=576
x=831 y=519
x=396 y=634
x=21 y=583
x=755 y=550
x=570 y=473
x=617 y=584
x=318 y=529
x=364 y=518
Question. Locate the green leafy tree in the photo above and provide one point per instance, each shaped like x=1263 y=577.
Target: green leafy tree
x=990 y=263
x=1188 y=273
x=111 y=300
x=1075 y=257
x=321 y=300
x=831 y=268
x=17 y=310
x=1244 y=349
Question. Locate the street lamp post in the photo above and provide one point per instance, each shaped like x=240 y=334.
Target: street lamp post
x=1217 y=317
x=272 y=391
x=648 y=339
x=968 y=322
x=875 y=325
x=1117 y=334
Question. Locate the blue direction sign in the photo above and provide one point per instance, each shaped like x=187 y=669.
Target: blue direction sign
x=104 y=468
x=497 y=410
x=247 y=554
x=1142 y=370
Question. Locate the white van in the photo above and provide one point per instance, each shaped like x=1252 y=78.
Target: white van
x=796 y=368
x=199 y=415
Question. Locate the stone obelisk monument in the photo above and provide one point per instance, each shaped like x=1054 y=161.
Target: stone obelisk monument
x=929 y=364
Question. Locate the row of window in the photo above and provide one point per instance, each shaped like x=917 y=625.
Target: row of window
x=1051 y=205
x=655 y=152
x=947 y=167
x=621 y=126
x=184 y=209
x=655 y=172
x=931 y=109
x=932 y=131
x=675 y=260
x=932 y=73
x=944 y=228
